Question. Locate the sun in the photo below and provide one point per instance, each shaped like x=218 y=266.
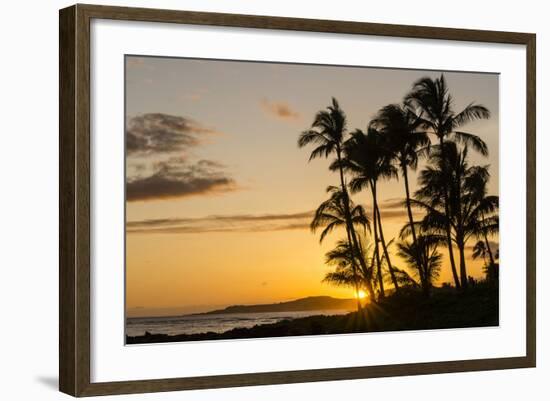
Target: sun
x=361 y=294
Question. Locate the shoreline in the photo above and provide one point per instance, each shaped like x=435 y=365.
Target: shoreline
x=444 y=310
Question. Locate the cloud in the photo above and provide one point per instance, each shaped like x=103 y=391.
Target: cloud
x=239 y=223
x=393 y=203
x=394 y=215
x=279 y=110
x=153 y=171
x=396 y=209
x=177 y=178
x=162 y=133
x=132 y=61
x=195 y=95
x=223 y=223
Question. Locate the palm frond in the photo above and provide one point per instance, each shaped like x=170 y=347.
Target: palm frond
x=473 y=141
x=471 y=113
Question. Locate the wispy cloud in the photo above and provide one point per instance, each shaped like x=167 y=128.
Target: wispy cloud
x=393 y=203
x=178 y=178
x=237 y=223
x=155 y=133
x=393 y=209
x=134 y=61
x=223 y=223
x=280 y=110
x=194 y=95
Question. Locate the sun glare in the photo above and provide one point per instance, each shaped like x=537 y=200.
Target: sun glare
x=361 y=294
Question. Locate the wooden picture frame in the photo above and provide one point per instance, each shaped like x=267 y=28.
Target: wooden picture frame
x=74 y=204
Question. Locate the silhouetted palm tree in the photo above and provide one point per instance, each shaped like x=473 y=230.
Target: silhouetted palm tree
x=463 y=208
x=487 y=226
x=426 y=248
x=434 y=105
x=368 y=160
x=328 y=132
x=331 y=214
x=480 y=251
x=402 y=277
x=342 y=257
x=486 y=215
x=406 y=142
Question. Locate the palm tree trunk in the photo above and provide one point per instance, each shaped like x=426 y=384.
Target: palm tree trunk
x=492 y=265
x=489 y=252
x=385 y=249
x=354 y=268
x=422 y=269
x=448 y=229
x=450 y=250
x=459 y=234
x=352 y=238
x=367 y=276
x=355 y=247
x=463 y=273
x=484 y=254
x=376 y=249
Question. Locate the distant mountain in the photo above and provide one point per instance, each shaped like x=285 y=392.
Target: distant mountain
x=302 y=304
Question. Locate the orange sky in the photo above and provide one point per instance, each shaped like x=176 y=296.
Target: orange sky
x=220 y=196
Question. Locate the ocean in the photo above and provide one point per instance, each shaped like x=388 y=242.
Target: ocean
x=217 y=323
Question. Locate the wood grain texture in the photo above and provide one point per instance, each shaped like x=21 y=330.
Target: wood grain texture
x=300 y=24
x=67 y=295
x=82 y=201
x=74 y=206
x=74 y=199
x=531 y=178
x=301 y=376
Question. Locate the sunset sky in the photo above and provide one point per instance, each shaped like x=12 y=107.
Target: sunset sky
x=219 y=196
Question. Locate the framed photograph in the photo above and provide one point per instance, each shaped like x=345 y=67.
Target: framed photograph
x=250 y=200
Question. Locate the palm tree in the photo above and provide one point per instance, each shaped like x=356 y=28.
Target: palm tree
x=463 y=208
x=406 y=142
x=489 y=226
x=402 y=277
x=328 y=132
x=342 y=257
x=331 y=215
x=434 y=105
x=480 y=251
x=479 y=211
x=367 y=159
x=487 y=218
x=424 y=257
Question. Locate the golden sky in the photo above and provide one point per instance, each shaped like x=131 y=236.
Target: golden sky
x=219 y=197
